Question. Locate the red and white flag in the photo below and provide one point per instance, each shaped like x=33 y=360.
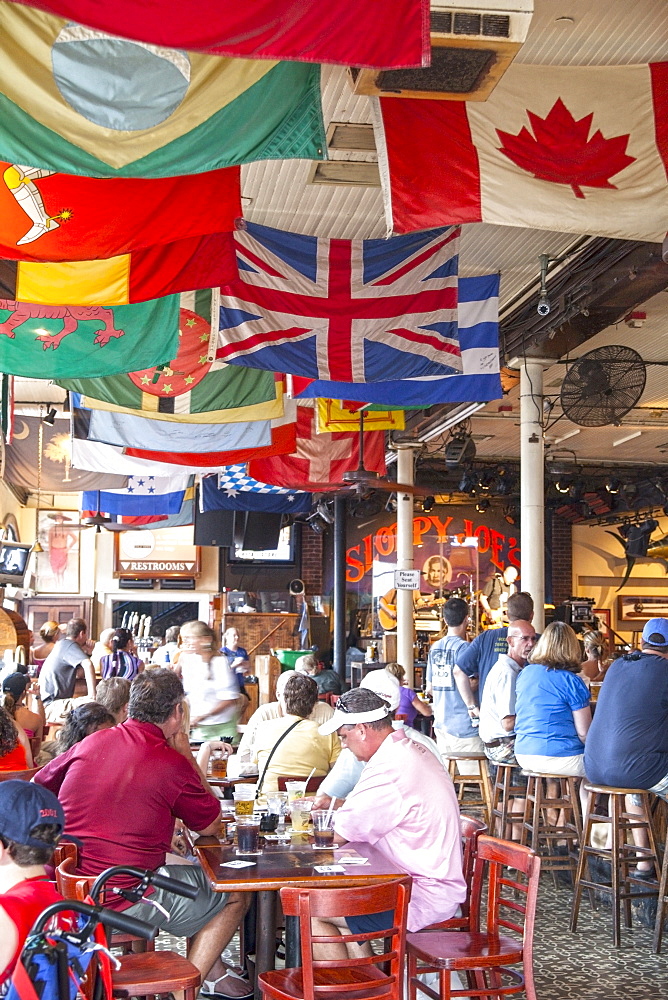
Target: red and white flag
x=319 y=460
x=575 y=149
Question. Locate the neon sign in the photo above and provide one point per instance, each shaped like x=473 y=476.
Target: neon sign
x=504 y=550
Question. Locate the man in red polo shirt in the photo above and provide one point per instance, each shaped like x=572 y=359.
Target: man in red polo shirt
x=122 y=789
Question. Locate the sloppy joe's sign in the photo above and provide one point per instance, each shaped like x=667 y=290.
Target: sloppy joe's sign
x=437 y=536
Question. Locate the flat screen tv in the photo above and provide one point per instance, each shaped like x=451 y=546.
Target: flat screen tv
x=13 y=563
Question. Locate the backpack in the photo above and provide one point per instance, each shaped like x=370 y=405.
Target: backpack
x=54 y=964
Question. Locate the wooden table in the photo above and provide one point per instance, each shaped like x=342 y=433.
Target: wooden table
x=293 y=865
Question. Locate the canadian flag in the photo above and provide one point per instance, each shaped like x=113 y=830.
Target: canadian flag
x=319 y=460
x=575 y=149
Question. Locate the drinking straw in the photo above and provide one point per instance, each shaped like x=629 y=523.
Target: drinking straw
x=329 y=812
x=308 y=779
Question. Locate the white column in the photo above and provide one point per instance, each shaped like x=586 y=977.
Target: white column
x=532 y=491
x=405 y=623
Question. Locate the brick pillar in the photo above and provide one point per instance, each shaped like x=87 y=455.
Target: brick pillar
x=562 y=560
x=312 y=561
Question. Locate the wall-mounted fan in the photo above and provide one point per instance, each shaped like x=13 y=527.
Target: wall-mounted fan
x=603 y=385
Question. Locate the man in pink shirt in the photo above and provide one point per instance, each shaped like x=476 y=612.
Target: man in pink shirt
x=405 y=805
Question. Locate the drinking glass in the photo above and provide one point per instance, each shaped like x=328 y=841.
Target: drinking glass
x=301 y=813
x=248 y=835
x=323 y=829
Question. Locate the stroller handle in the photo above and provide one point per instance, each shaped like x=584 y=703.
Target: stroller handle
x=147 y=878
x=118 y=921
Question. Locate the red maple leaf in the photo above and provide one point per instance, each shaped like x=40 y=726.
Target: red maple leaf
x=561 y=151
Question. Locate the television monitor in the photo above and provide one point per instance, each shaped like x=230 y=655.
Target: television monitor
x=13 y=563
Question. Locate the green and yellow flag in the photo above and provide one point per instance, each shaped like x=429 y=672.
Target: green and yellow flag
x=75 y=100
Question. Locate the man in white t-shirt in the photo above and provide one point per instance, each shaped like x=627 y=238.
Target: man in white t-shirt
x=497 y=710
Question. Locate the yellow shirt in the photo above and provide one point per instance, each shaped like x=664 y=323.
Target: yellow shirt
x=301 y=751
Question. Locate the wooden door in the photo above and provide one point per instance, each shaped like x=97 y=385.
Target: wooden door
x=38 y=610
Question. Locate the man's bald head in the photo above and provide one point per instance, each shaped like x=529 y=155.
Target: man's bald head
x=521 y=640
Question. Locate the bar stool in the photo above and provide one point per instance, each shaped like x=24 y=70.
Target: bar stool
x=504 y=791
x=480 y=780
x=537 y=831
x=621 y=856
x=661 y=905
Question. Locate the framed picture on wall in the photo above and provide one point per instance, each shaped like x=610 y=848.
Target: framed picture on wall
x=57 y=566
x=604 y=616
x=636 y=610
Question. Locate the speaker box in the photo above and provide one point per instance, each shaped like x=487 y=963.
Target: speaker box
x=214 y=527
x=261 y=531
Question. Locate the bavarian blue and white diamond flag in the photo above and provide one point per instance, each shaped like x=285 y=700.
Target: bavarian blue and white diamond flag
x=233 y=489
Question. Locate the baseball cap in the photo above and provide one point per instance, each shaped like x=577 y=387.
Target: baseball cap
x=655 y=632
x=25 y=805
x=16 y=684
x=384 y=684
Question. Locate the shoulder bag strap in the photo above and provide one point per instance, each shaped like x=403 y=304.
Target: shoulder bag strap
x=271 y=754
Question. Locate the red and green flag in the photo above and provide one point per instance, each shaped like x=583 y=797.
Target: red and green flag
x=86 y=341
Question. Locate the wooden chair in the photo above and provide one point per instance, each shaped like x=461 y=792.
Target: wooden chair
x=26 y=775
x=485 y=956
x=504 y=793
x=378 y=977
x=142 y=974
x=471 y=829
x=312 y=786
x=66 y=850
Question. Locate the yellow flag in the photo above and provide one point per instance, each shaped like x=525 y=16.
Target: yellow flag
x=332 y=416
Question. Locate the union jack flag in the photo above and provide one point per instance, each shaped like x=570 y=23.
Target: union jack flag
x=343 y=310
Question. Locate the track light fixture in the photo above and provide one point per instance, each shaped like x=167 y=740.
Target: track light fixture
x=428 y=503
x=50 y=418
x=325 y=513
x=482 y=505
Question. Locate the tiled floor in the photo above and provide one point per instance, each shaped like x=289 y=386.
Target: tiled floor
x=585 y=966
x=582 y=966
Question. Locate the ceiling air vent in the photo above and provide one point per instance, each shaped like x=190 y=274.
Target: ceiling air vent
x=346 y=173
x=349 y=136
x=472 y=46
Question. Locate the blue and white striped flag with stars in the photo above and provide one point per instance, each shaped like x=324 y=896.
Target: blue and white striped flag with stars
x=233 y=489
x=144 y=495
